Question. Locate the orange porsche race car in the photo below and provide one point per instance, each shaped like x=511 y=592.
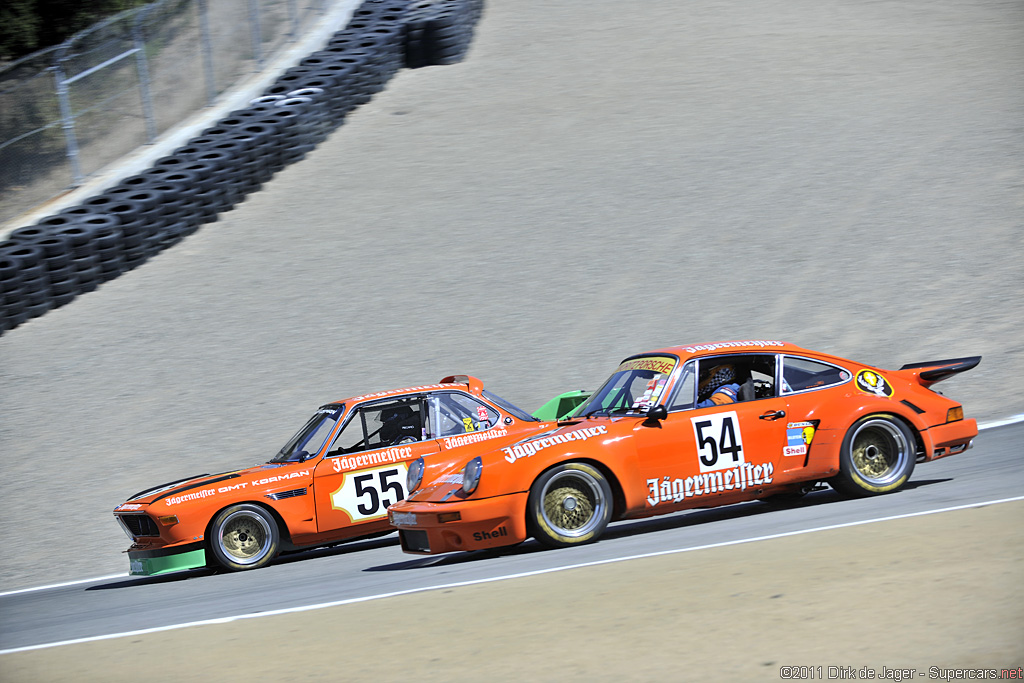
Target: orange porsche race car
x=689 y=427
x=332 y=482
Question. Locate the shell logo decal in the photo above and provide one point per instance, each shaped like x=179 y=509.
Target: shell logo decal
x=870 y=382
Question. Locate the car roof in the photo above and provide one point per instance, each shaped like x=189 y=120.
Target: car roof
x=686 y=351
x=464 y=383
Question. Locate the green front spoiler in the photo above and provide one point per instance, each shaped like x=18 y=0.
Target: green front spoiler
x=151 y=563
x=560 y=406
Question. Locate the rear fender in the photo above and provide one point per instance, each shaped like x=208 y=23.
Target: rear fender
x=913 y=422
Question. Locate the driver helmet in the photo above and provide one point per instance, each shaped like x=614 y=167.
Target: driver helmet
x=715 y=377
x=395 y=414
x=397 y=423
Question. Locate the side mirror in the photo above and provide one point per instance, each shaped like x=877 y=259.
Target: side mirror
x=657 y=414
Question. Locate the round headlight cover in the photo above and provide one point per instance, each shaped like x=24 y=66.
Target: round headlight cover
x=415 y=476
x=471 y=474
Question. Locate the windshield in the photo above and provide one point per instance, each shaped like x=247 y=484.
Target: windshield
x=635 y=386
x=509 y=407
x=310 y=439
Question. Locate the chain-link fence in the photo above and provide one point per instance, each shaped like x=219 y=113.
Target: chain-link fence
x=68 y=111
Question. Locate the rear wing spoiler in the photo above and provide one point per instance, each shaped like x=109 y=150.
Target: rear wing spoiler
x=930 y=372
x=562 y=405
x=474 y=385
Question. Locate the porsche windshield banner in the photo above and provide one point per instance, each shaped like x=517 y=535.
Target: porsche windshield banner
x=660 y=364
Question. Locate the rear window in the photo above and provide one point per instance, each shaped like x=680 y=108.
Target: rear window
x=802 y=374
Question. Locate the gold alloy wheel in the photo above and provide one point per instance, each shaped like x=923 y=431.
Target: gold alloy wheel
x=245 y=537
x=879 y=452
x=573 y=503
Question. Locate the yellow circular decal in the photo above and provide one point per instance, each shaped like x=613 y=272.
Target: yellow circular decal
x=870 y=382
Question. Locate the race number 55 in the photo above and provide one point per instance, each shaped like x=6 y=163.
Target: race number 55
x=366 y=494
x=719 y=442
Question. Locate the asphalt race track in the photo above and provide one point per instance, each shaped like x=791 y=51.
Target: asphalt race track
x=377 y=569
x=596 y=179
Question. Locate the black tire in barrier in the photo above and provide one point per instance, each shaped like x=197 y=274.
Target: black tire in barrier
x=10 y=270
x=40 y=309
x=27 y=254
x=143 y=196
x=12 y=298
x=188 y=181
x=88 y=279
x=79 y=239
x=30 y=234
x=66 y=284
x=311 y=116
x=178 y=202
x=224 y=174
x=56 y=221
x=213 y=195
x=101 y=203
x=259 y=167
x=294 y=135
x=56 y=250
x=270 y=143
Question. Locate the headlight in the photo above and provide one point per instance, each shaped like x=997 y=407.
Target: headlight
x=415 y=476
x=471 y=474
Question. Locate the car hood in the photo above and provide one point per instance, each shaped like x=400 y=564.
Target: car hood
x=267 y=475
x=512 y=467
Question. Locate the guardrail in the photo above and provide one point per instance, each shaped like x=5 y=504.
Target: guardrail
x=72 y=252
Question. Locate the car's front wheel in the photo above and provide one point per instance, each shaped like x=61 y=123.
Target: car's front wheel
x=244 y=536
x=877 y=456
x=570 y=504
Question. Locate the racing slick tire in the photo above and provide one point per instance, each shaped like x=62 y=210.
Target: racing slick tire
x=243 y=536
x=569 y=504
x=877 y=456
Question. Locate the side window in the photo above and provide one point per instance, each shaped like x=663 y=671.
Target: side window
x=685 y=387
x=747 y=377
x=800 y=374
x=460 y=414
x=760 y=369
x=380 y=425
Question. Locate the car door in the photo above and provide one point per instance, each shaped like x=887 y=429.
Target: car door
x=807 y=385
x=364 y=469
x=703 y=453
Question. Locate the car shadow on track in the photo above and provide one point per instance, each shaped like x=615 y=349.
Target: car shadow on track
x=627 y=528
x=138 y=581
x=343 y=548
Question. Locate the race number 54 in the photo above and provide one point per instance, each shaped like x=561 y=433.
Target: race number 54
x=366 y=494
x=719 y=442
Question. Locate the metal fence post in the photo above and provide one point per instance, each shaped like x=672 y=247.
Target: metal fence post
x=257 y=34
x=142 y=66
x=293 y=14
x=67 y=121
x=204 y=38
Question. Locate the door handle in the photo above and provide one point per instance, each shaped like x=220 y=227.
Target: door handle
x=774 y=415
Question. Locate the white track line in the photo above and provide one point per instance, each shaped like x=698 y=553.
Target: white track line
x=350 y=601
x=1013 y=419
x=981 y=426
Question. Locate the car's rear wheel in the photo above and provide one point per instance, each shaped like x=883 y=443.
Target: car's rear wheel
x=244 y=536
x=877 y=456
x=569 y=504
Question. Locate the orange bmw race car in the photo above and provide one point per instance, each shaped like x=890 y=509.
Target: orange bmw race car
x=332 y=482
x=689 y=427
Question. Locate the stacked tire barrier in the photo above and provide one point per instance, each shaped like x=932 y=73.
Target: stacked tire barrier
x=70 y=253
